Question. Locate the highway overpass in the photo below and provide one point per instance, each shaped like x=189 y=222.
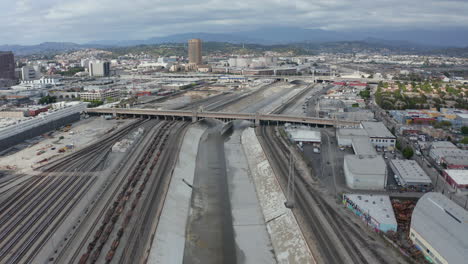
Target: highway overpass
x=194 y=116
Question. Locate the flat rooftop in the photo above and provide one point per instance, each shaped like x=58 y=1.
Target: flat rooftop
x=459 y=176
x=377 y=129
x=366 y=165
x=363 y=146
x=443 y=144
x=410 y=171
x=443 y=224
x=378 y=206
x=351 y=132
x=304 y=135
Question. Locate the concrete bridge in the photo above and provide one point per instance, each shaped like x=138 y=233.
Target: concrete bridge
x=194 y=116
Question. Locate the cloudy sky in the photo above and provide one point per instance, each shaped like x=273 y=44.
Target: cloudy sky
x=35 y=21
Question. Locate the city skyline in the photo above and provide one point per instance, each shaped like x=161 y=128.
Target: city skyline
x=32 y=22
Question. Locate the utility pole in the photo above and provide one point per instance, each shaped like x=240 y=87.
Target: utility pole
x=291 y=184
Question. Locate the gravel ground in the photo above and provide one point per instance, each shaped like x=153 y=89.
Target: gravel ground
x=82 y=134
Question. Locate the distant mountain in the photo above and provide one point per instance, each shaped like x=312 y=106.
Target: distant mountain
x=46 y=48
x=407 y=41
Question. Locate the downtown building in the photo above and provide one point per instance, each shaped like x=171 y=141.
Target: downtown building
x=195 y=51
x=7 y=65
x=7 y=68
x=99 y=69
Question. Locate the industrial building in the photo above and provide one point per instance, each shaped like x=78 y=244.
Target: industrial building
x=375 y=210
x=439 y=228
x=379 y=134
x=445 y=152
x=365 y=172
x=61 y=114
x=357 y=116
x=326 y=107
x=345 y=136
x=195 y=51
x=458 y=179
x=304 y=135
x=99 y=94
x=409 y=173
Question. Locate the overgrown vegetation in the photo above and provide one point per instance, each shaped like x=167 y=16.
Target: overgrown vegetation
x=71 y=71
x=48 y=100
x=94 y=103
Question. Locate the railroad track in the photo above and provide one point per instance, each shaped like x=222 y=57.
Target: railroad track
x=139 y=242
x=32 y=214
x=284 y=106
x=306 y=196
x=325 y=245
x=127 y=192
x=87 y=228
x=84 y=156
x=151 y=168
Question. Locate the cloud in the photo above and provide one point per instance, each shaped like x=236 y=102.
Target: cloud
x=33 y=21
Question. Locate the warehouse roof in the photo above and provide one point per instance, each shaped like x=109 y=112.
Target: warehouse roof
x=459 y=176
x=365 y=165
x=351 y=132
x=410 y=171
x=377 y=129
x=446 y=152
x=442 y=144
x=363 y=146
x=304 y=135
x=444 y=225
x=377 y=206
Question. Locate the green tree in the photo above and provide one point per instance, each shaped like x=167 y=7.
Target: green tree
x=464 y=130
x=443 y=124
x=398 y=145
x=408 y=152
x=48 y=99
x=365 y=94
x=464 y=140
x=355 y=105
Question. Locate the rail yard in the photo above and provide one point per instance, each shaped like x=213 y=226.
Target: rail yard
x=105 y=201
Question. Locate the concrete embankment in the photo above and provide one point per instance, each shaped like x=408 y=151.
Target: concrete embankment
x=288 y=242
x=169 y=241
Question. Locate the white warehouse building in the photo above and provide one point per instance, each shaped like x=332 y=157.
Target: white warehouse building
x=439 y=228
x=366 y=170
x=379 y=134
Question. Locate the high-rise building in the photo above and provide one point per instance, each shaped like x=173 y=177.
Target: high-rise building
x=7 y=65
x=99 y=69
x=28 y=73
x=195 y=51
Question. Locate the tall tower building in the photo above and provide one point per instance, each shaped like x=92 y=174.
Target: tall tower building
x=99 y=69
x=195 y=51
x=7 y=65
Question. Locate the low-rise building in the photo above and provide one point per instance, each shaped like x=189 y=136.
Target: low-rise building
x=304 y=135
x=447 y=154
x=439 y=228
x=365 y=172
x=375 y=210
x=379 y=134
x=458 y=179
x=99 y=95
x=345 y=135
x=409 y=173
